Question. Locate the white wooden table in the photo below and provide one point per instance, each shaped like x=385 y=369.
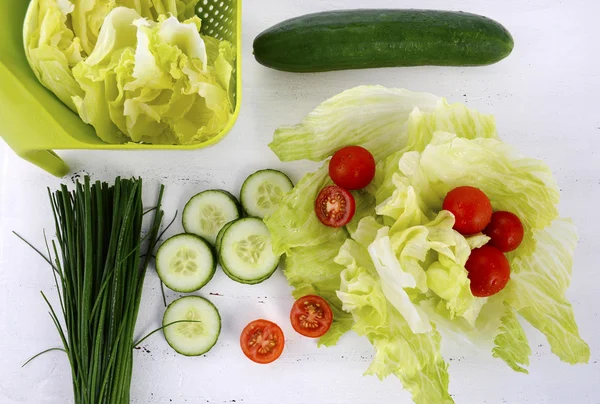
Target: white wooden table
x=545 y=97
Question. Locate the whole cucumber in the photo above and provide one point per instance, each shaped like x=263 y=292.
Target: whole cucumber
x=357 y=39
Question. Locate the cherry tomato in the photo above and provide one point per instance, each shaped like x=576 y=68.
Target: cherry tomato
x=262 y=341
x=471 y=208
x=489 y=271
x=311 y=316
x=352 y=167
x=335 y=206
x=505 y=231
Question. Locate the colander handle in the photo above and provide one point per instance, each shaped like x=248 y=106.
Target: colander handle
x=30 y=129
x=47 y=160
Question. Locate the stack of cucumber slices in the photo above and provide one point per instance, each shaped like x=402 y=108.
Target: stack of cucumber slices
x=218 y=229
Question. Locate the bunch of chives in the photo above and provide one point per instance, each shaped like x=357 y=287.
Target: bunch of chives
x=99 y=270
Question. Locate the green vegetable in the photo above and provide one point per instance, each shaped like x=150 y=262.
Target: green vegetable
x=414 y=358
x=58 y=34
x=200 y=327
x=185 y=263
x=99 y=271
x=540 y=280
x=207 y=212
x=398 y=269
x=511 y=342
x=262 y=191
x=246 y=253
x=376 y=118
x=323 y=280
x=355 y=39
x=52 y=48
x=297 y=226
x=135 y=73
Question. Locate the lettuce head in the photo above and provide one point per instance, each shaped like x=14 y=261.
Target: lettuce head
x=396 y=273
x=137 y=71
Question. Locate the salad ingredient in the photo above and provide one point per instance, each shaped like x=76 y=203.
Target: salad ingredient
x=200 y=327
x=365 y=206
x=207 y=212
x=135 y=71
x=185 y=263
x=424 y=148
x=262 y=191
x=368 y=38
x=505 y=231
x=382 y=120
x=311 y=316
x=477 y=240
x=394 y=280
x=262 y=341
x=335 y=206
x=352 y=167
x=246 y=252
x=295 y=224
x=220 y=236
x=489 y=271
x=539 y=281
x=323 y=280
x=99 y=275
x=511 y=343
x=471 y=208
x=414 y=358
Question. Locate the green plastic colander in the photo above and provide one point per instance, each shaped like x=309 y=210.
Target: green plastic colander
x=34 y=123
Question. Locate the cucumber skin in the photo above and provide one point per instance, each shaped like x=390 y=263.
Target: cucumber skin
x=220 y=236
x=358 y=39
x=246 y=282
x=240 y=208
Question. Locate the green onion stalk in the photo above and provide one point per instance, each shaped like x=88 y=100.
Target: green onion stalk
x=99 y=269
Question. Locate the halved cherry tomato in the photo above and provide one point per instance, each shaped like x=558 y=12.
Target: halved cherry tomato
x=489 y=271
x=262 y=341
x=471 y=208
x=311 y=316
x=352 y=167
x=505 y=231
x=335 y=206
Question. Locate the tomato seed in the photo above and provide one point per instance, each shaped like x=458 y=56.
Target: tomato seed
x=314 y=312
x=334 y=206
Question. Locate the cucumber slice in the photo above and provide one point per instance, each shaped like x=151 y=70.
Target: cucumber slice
x=192 y=339
x=185 y=263
x=263 y=190
x=246 y=252
x=220 y=235
x=207 y=212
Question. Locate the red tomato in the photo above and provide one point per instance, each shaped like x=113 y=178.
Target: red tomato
x=262 y=341
x=352 y=167
x=311 y=316
x=489 y=271
x=335 y=206
x=505 y=231
x=471 y=208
